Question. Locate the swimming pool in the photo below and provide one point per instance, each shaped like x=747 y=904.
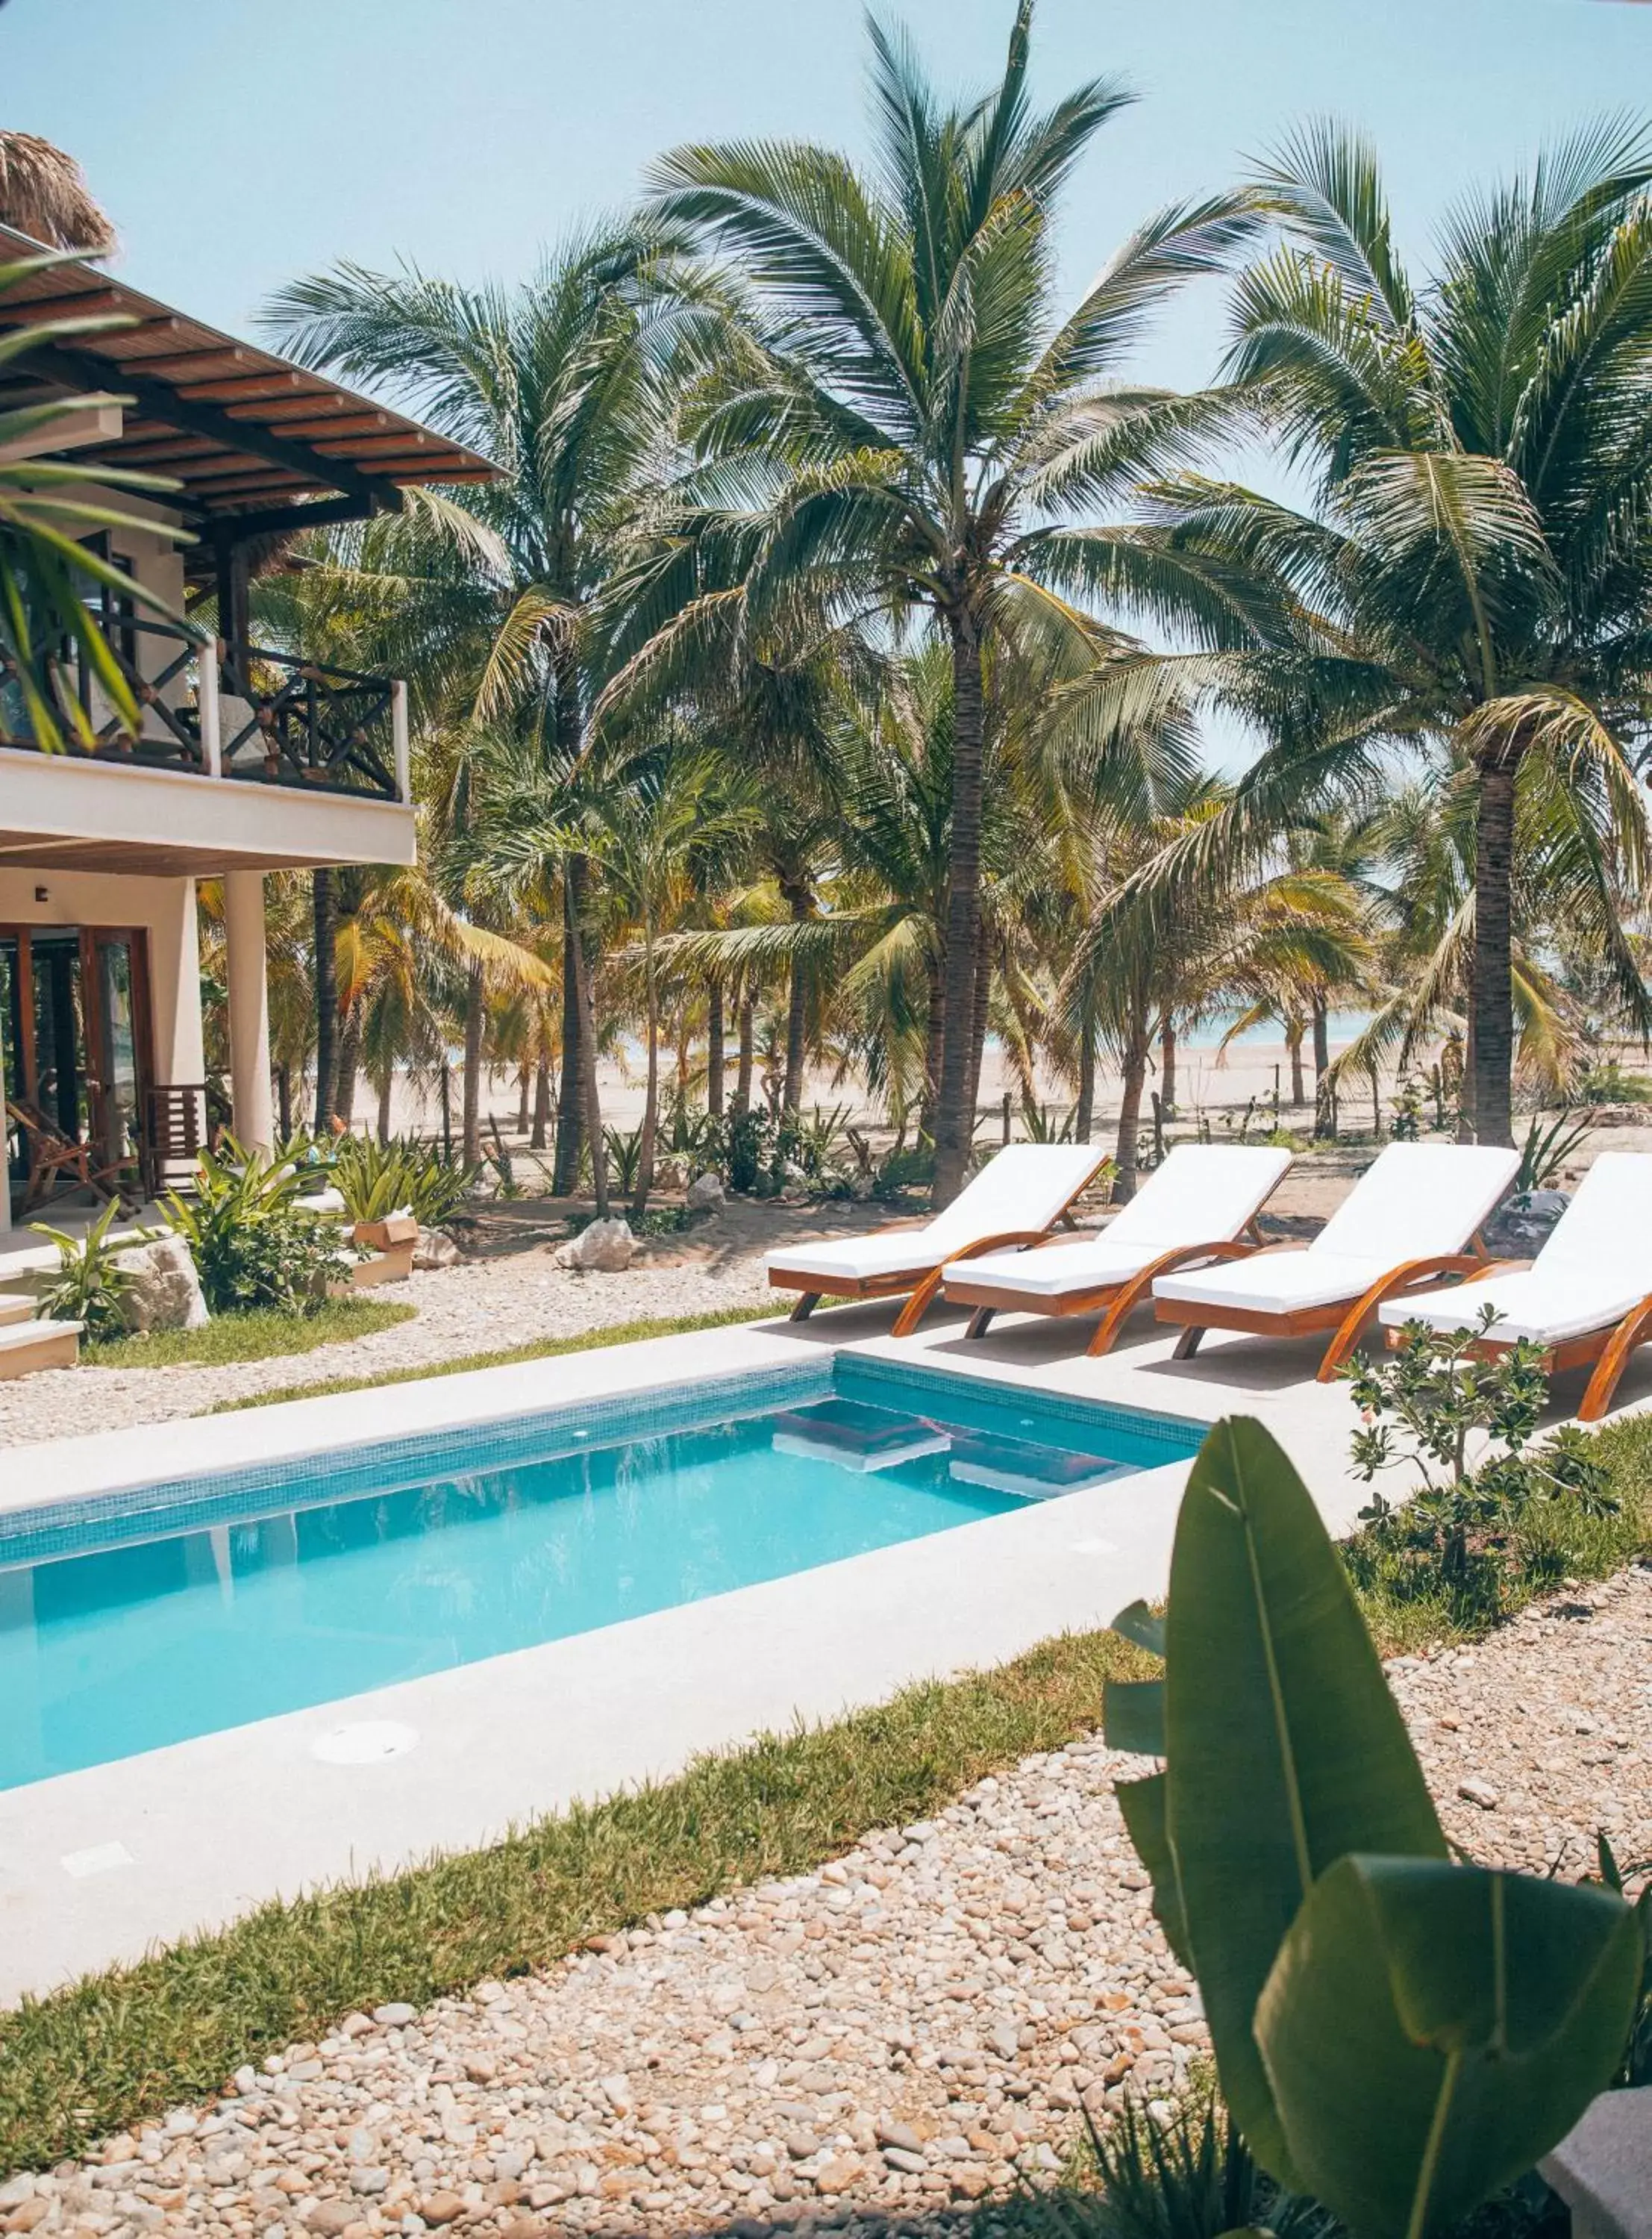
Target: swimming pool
x=152 y=1616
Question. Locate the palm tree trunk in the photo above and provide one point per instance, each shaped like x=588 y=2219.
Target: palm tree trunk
x=1130 y=1109
x=470 y=1139
x=651 y=1096
x=963 y=909
x=1376 y=1104
x=796 y=1019
x=1084 y=1116
x=349 y=1062
x=542 y=1104
x=1325 y=1114
x=326 y=924
x=1298 y=1084
x=590 y=1095
x=714 y=1050
x=284 y=1099
x=1491 y=1000
x=523 y=1082
x=570 y=1106
x=385 y=1087
x=1167 y=1064
x=934 y=1039
x=747 y=1052
x=979 y=1021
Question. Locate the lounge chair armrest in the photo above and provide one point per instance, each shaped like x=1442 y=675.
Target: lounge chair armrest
x=1633 y=1330
x=1411 y=1275
x=1139 y=1287
x=924 y=1297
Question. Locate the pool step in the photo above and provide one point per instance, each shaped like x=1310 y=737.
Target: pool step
x=26 y=1345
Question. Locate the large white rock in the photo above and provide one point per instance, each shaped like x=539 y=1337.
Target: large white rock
x=163 y=1291
x=606 y=1248
x=706 y=1193
x=435 y=1248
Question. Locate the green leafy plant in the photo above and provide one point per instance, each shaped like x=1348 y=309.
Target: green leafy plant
x=1444 y=1403
x=1636 y=2071
x=404 y=1175
x=254 y=1244
x=625 y=1157
x=750 y=1142
x=1609 y=1084
x=1185 y=2174
x=1546 y=1150
x=690 y=1131
x=1039 y=1123
x=1396 y=2035
x=88 y=1286
x=817 y=1143
x=1407 y=1108
x=908 y=1167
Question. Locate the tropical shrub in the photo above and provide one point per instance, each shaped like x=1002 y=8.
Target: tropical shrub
x=376 y=1180
x=254 y=1244
x=751 y=1144
x=1546 y=1150
x=1460 y=1530
x=88 y=1286
x=1397 y=2035
x=1609 y=1084
x=625 y=1157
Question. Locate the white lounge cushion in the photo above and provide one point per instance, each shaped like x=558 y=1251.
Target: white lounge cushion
x=859 y=1258
x=1275 y=1282
x=1026 y=1185
x=1204 y=1193
x=1419 y=1201
x=1596 y=1264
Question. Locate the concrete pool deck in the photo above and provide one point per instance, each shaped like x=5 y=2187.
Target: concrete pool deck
x=96 y=1866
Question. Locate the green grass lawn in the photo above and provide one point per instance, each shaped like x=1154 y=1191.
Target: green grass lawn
x=130 y=2041
x=542 y=1348
x=264 y=1334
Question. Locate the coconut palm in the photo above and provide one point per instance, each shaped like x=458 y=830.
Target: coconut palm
x=905 y=417
x=1469 y=581
x=556 y=382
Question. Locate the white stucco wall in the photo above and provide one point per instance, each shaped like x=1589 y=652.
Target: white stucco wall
x=165 y=909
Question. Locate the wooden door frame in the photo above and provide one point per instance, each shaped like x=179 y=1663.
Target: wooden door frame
x=137 y=939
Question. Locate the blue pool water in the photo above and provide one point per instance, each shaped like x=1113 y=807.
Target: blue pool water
x=151 y=1617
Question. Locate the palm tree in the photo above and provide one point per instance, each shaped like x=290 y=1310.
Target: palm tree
x=904 y=418
x=1469 y=582
x=558 y=381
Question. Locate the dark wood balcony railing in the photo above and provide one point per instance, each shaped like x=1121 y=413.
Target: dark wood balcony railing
x=265 y=716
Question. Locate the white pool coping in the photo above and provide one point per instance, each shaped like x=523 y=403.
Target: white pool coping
x=97 y=1866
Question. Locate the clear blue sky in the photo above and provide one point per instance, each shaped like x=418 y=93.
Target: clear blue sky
x=236 y=143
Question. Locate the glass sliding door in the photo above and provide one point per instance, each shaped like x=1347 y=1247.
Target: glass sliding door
x=75 y=1024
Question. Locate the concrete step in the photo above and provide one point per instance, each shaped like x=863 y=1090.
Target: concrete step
x=14 y=1308
x=25 y=1346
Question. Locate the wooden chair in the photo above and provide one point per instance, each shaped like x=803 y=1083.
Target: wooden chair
x=52 y=1154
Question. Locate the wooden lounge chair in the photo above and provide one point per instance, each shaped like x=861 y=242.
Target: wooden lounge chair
x=1411 y=1218
x=1017 y=1198
x=53 y=1153
x=1198 y=1206
x=1586 y=1298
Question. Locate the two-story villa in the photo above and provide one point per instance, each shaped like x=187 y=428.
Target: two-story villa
x=249 y=761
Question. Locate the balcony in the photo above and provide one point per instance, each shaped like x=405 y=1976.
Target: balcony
x=243 y=712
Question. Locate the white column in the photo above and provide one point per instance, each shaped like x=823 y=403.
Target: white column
x=399 y=742
x=243 y=927
x=207 y=701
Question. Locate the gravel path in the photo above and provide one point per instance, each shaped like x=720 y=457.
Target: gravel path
x=480 y=1307
x=887 y=2038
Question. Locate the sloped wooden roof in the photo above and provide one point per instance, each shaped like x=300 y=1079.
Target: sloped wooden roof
x=250 y=437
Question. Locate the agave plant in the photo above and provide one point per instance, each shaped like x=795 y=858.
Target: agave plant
x=404 y=1175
